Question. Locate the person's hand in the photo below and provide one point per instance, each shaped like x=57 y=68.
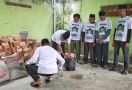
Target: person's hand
x=126 y=45
x=113 y=44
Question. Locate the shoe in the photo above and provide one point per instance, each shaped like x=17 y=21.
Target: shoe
x=105 y=66
x=124 y=72
x=94 y=65
x=81 y=62
x=114 y=68
x=85 y=61
x=36 y=84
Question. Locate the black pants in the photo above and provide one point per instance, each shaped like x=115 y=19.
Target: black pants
x=102 y=53
x=89 y=49
x=32 y=70
x=54 y=45
x=117 y=46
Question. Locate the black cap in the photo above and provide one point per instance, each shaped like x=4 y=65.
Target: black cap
x=92 y=15
x=102 y=13
x=66 y=35
x=76 y=15
x=122 y=6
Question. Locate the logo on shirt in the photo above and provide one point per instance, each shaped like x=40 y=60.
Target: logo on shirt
x=89 y=31
x=102 y=29
x=74 y=29
x=120 y=27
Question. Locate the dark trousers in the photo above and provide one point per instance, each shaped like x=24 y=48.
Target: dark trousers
x=32 y=70
x=102 y=53
x=76 y=48
x=54 y=45
x=117 y=46
x=89 y=49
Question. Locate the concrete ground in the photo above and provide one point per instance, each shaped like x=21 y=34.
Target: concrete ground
x=85 y=77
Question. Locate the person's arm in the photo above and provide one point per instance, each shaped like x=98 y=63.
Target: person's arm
x=129 y=36
x=113 y=38
x=114 y=35
x=61 y=61
x=108 y=30
x=106 y=34
x=129 y=31
x=68 y=46
x=96 y=32
x=34 y=58
x=60 y=49
x=69 y=49
x=128 y=39
x=83 y=35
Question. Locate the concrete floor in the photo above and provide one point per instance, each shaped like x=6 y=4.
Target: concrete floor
x=85 y=77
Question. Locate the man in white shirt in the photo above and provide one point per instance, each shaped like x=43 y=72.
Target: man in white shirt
x=44 y=62
x=89 y=39
x=103 y=27
x=76 y=29
x=122 y=36
x=59 y=38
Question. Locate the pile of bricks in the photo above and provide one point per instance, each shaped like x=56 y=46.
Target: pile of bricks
x=10 y=45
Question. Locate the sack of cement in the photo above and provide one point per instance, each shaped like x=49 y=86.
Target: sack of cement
x=4 y=73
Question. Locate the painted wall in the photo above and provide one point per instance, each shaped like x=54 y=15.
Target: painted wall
x=93 y=6
x=37 y=20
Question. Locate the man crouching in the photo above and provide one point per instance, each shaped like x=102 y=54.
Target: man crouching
x=43 y=62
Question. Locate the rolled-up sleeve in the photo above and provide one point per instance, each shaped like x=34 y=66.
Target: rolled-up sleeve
x=61 y=61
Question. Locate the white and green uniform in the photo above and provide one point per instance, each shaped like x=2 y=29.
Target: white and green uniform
x=122 y=27
x=75 y=29
x=102 y=27
x=89 y=32
x=122 y=35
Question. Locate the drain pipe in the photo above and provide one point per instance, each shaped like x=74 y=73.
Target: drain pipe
x=54 y=15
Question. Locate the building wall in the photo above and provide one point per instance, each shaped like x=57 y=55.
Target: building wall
x=37 y=20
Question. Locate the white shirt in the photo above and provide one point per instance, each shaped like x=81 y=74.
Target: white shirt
x=89 y=32
x=57 y=37
x=103 y=26
x=75 y=29
x=46 y=58
x=122 y=27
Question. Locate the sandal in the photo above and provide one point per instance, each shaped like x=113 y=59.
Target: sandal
x=33 y=84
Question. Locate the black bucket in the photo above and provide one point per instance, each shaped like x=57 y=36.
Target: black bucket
x=70 y=64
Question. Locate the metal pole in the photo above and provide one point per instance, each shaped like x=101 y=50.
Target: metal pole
x=54 y=15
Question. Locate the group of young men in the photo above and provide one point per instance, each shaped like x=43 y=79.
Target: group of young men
x=95 y=37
